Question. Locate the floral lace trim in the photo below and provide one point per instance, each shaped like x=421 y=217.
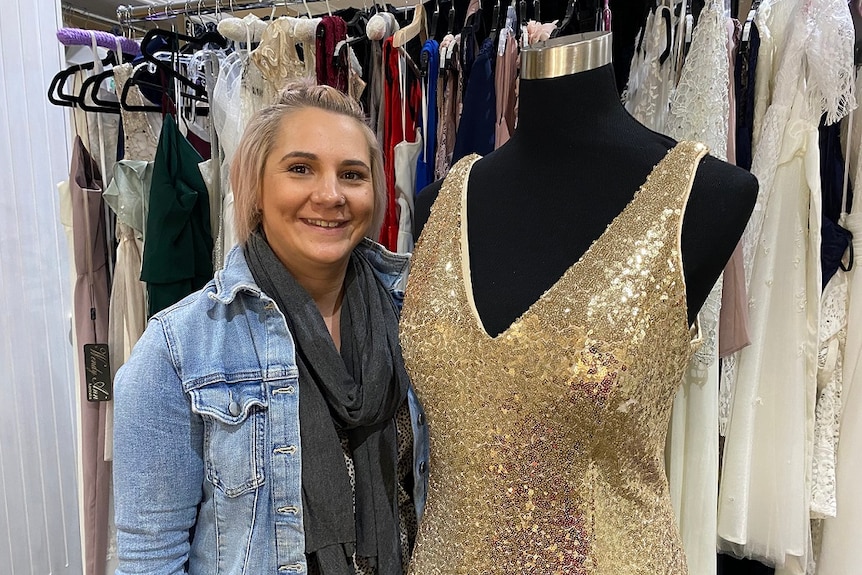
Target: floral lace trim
x=276 y=56
x=830 y=370
x=650 y=84
x=700 y=106
x=700 y=110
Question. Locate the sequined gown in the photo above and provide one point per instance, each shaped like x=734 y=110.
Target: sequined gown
x=547 y=440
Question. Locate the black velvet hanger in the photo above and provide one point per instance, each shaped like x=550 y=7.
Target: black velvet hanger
x=435 y=20
x=358 y=22
x=93 y=83
x=495 y=22
x=667 y=23
x=569 y=23
x=57 y=96
x=172 y=40
x=136 y=80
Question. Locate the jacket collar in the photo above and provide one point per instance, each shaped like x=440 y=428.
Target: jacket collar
x=390 y=268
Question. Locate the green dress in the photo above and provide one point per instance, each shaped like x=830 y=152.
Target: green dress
x=178 y=249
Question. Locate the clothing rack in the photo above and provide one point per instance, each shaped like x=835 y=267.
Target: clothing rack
x=91 y=17
x=172 y=9
x=69 y=9
x=127 y=14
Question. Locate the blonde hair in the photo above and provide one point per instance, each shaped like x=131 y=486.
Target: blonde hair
x=261 y=134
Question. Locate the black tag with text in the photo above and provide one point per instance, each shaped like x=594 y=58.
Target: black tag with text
x=97 y=372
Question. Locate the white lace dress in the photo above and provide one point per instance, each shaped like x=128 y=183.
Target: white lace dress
x=842 y=533
x=237 y=95
x=827 y=413
x=651 y=81
x=765 y=492
x=699 y=110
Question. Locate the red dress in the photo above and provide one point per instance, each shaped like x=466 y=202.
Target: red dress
x=400 y=116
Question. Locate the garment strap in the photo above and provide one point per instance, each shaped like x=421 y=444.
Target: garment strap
x=846 y=183
x=402 y=86
x=425 y=87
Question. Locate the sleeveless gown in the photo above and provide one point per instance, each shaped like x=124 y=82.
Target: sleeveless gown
x=547 y=440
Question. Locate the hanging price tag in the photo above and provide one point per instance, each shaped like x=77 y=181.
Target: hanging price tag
x=97 y=372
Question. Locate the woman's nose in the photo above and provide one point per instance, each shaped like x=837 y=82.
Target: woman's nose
x=328 y=192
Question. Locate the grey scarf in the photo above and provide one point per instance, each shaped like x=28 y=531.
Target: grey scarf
x=358 y=392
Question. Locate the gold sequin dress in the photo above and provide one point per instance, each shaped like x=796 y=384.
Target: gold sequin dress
x=547 y=441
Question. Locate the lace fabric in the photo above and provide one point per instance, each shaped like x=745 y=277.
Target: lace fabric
x=651 y=81
x=764 y=504
x=699 y=107
x=830 y=371
x=699 y=110
x=140 y=129
x=818 y=50
x=277 y=58
x=247 y=28
x=238 y=94
x=839 y=551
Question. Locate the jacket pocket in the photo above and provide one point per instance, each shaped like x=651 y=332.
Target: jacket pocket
x=234 y=416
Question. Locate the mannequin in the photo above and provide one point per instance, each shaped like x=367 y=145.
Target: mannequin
x=574 y=162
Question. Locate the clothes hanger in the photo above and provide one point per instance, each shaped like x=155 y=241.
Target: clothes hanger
x=570 y=18
x=495 y=22
x=446 y=59
x=80 y=37
x=58 y=97
x=604 y=17
x=94 y=85
x=172 y=39
x=451 y=22
x=134 y=80
x=435 y=19
x=358 y=22
x=522 y=15
x=418 y=26
x=668 y=36
x=680 y=39
x=307 y=10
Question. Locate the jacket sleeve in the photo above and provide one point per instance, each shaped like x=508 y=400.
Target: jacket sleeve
x=158 y=464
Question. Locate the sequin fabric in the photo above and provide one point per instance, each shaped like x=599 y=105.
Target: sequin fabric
x=547 y=441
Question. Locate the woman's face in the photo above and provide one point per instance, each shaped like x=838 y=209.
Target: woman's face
x=317 y=197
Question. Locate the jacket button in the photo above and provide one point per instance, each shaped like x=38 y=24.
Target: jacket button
x=423 y=467
x=233 y=408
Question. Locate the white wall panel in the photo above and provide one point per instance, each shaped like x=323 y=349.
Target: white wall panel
x=39 y=532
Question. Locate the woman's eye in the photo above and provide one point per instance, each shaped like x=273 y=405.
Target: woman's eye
x=356 y=176
x=298 y=169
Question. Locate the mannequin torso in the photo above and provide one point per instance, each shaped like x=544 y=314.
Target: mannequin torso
x=574 y=162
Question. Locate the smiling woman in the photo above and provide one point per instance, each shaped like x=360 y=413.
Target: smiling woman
x=275 y=400
x=305 y=177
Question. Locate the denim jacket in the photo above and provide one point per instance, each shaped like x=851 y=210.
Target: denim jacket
x=206 y=433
